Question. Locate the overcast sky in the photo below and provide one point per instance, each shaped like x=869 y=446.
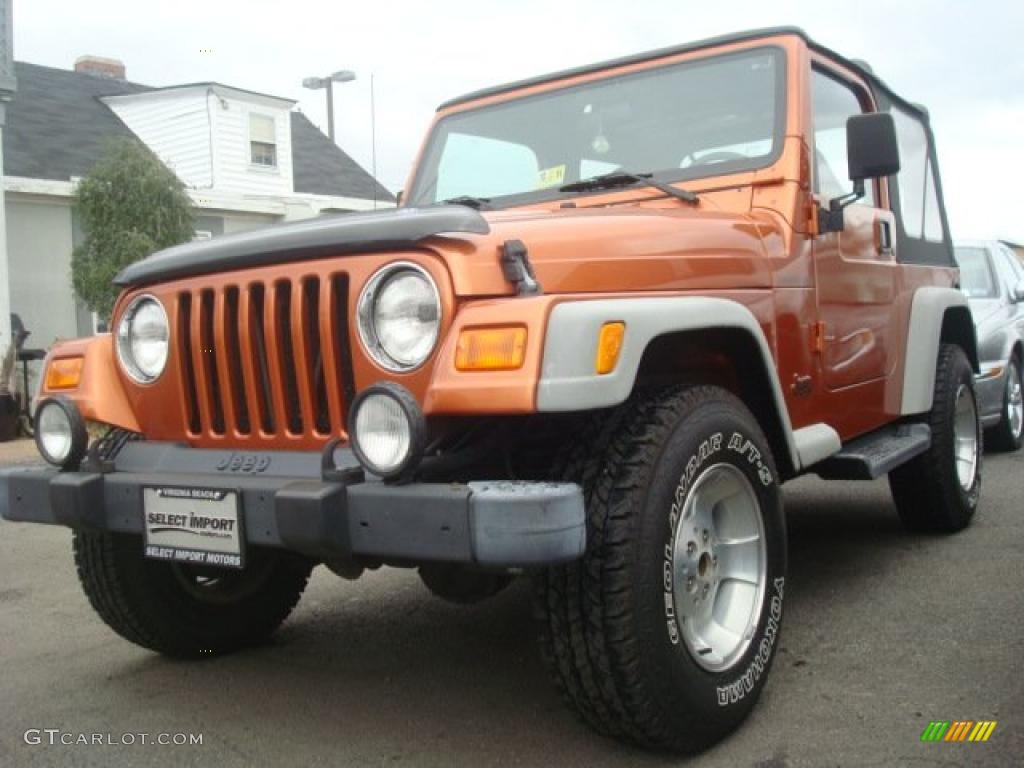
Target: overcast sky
x=964 y=60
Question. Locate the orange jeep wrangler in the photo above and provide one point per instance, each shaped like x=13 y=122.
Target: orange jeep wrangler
x=620 y=306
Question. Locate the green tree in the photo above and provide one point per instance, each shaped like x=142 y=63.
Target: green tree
x=129 y=205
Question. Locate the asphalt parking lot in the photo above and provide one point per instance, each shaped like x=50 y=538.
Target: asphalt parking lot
x=884 y=631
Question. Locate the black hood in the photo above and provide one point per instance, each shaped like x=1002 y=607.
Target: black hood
x=393 y=229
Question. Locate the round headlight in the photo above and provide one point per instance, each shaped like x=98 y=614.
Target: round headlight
x=143 y=339
x=387 y=429
x=61 y=436
x=400 y=316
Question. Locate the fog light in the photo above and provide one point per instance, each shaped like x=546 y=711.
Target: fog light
x=61 y=436
x=387 y=430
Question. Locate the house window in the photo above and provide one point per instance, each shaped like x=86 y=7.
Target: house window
x=262 y=141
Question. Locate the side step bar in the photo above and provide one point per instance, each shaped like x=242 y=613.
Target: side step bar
x=876 y=453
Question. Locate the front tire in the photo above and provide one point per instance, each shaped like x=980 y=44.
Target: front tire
x=938 y=491
x=664 y=632
x=187 y=611
x=1008 y=434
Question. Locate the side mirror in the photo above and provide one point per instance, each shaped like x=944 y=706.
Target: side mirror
x=398 y=197
x=1017 y=294
x=871 y=152
x=871 y=147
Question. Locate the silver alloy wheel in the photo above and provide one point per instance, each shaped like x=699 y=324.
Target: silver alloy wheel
x=1014 y=400
x=719 y=567
x=965 y=436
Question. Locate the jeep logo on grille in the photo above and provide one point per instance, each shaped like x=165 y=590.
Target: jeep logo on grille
x=244 y=462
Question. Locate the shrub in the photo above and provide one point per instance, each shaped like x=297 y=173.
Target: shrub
x=129 y=205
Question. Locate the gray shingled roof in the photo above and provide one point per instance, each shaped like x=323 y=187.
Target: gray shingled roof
x=325 y=169
x=57 y=126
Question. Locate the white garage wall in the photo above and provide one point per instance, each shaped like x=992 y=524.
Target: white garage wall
x=241 y=222
x=39 y=254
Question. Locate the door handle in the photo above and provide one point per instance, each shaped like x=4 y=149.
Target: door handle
x=883 y=237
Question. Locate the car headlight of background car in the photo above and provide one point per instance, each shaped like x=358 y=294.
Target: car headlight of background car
x=399 y=316
x=143 y=337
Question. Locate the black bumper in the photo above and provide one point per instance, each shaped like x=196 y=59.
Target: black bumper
x=286 y=503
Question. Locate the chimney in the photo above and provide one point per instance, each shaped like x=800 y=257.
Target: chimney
x=100 y=66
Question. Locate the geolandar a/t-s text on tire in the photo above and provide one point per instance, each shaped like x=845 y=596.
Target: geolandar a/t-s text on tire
x=664 y=633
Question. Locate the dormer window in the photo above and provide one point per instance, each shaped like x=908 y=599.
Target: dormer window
x=262 y=141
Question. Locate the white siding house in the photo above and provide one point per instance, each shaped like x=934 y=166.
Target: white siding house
x=224 y=143
x=205 y=134
x=232 y=148
x=236 y=120
x=175 y=125
x=246 y=159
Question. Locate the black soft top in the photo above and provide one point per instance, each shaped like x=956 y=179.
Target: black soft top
x=711 y=42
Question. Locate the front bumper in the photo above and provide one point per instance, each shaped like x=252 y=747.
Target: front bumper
x=287 y=503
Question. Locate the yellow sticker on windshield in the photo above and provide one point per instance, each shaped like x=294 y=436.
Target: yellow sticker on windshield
x=549 y=177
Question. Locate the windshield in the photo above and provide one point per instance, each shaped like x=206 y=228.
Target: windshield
x=708 y=117
x=976 y=278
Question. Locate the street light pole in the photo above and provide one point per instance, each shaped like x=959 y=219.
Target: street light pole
x=330 y=110
x=315 y=83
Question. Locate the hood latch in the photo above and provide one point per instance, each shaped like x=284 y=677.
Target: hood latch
x=515 y=263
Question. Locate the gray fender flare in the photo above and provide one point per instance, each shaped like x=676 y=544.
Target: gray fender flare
x=569 y=382
x=924 y=334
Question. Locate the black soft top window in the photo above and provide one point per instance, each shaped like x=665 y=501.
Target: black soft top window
x=922 y=230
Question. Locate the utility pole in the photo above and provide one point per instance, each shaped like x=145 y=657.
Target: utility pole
x=8 y=351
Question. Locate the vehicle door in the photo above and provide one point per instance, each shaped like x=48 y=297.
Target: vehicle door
x=1011 y=275
x=856 y=270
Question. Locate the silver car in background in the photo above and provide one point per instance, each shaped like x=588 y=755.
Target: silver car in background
x=992 y=277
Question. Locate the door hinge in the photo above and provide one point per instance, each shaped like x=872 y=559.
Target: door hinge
x=818 y=337
x=813 y=229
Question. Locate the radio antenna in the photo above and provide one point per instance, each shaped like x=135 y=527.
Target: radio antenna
x=373 y=142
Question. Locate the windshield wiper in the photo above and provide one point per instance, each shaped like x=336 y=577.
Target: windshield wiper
x=625 y=179
x=477 y=203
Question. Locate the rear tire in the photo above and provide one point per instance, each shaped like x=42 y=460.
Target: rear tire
x=938 y=491
x=1008 y=434
x=187 y=611
x=629 y=632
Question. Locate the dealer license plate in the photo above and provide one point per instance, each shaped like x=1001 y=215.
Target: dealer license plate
x=199 y=526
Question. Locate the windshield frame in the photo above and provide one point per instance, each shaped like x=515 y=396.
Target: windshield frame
x=436 y=140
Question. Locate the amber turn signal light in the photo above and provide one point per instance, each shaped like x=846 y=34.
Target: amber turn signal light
x=609 y=345
x=491 y=349
x=64 y=373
